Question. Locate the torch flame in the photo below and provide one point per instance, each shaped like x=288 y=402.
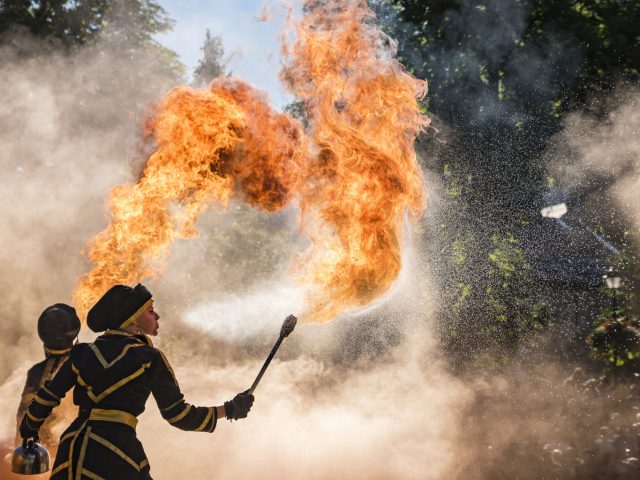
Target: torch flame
x=354 y=172
x=365 y=117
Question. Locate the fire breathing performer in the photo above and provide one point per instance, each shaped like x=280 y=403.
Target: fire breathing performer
x=112 y=379
x=58 y=328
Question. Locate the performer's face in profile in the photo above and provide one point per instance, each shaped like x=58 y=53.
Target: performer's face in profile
x=147 y=322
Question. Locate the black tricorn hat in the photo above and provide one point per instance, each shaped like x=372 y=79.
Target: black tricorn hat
x=58 y=326
x=119 y=307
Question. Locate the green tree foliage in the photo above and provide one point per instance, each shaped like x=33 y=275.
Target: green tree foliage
x=72 y=22
x=128 y=25
x=504 y=72
x=490 y=306
x=212 y=64
x=502 y=75
x=615 y=341
x=116 y=36
x=615 y=338
x=538 y=56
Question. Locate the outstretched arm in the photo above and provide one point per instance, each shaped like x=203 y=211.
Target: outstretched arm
x=170 y=400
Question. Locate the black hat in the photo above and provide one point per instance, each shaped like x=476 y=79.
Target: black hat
x=119 y=307
x=58 y=326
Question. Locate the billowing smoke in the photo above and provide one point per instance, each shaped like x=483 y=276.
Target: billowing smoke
x=597 y=160
x=337 y=396
x=367 y=397
x=547 y=418
x=67 y=126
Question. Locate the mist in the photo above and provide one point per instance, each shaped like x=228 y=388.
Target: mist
x=368 y=396
x=338 y=395
x=597 y=161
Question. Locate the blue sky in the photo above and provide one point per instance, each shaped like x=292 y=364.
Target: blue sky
x=253 y=45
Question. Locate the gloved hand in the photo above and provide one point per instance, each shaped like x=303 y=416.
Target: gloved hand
x=26 y=430
x=238 y=407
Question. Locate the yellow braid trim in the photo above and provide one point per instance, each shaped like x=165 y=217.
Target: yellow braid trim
x=56 y=352
x=135 y=316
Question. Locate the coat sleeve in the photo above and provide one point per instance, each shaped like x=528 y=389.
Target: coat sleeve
x=47 y=398
x=170 y=400
x=31 y=386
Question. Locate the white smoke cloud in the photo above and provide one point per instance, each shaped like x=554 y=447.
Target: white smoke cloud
x=312 y=420
x=67 y=137
x=601 y=153
x=337 y=398
x=366 y=397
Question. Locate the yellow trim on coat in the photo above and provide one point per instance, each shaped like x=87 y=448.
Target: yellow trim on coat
x=110 y=364
x=46 y=403
x=181 y=415
x=59 y=468
x=84 y=384
x=73 y=442
x=106 y=443
x=61 y=362
x=91 y=475
x=135 y=336
x=122 y=382
x=37 y=427
x=115 y=331
x=138 y=312
x=50 y=392
x=64 y=437
x=214 y=422
x=83 y=452
x=98 y=354
x=206 y=420
x=166 y=409
x=57 y=352
x=166 y=362
x=112 y=388
x=35 y=419
x=116 y=416
x=48 y=370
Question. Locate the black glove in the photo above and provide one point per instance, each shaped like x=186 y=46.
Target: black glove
x=238 y=407
x=26 y=430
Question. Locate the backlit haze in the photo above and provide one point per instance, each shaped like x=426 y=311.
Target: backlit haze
x=249 y=30
x=367 y=395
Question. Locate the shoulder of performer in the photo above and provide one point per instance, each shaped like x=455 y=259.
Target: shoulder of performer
x=34 y=375
x=151 y=353
x=144 y=349
x=78 y=349
x=158 y=355
x=36 y=370
x=161 y=364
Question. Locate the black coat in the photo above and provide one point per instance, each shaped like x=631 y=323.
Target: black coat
x=113 y=378
x=36 y=377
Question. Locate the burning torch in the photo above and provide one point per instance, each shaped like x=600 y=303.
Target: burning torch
x=287 y=327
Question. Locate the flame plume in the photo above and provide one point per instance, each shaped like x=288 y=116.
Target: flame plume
x=365 y=117
x=179 y=173
x=354 y=173
x=209 y=147
x=268 y=165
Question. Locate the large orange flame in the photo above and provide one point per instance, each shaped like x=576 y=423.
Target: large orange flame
x=355 y=171
x=365 y=117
